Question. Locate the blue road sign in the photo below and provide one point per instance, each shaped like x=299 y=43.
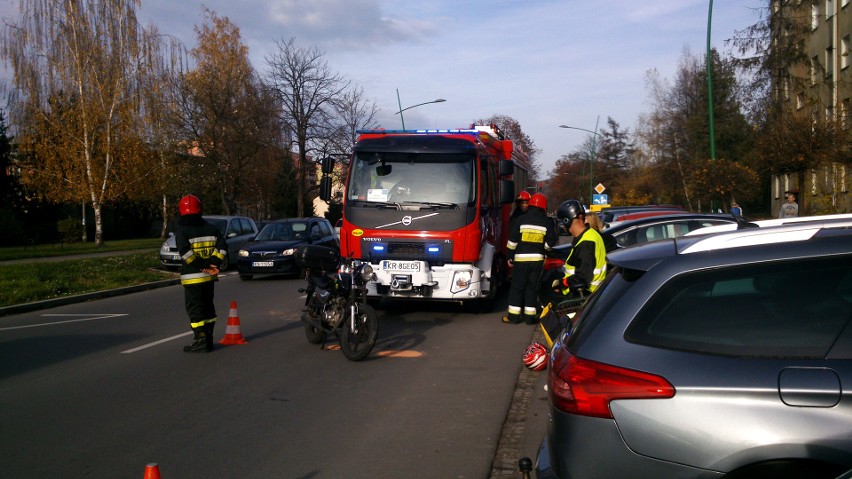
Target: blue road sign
x=600 y=199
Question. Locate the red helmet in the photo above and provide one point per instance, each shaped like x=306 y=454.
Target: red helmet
x=535 y=357
x=539 y=201
x=189 y=205
x=523 y=196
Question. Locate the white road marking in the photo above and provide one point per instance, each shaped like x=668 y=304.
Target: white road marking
x=87 y=317
x=155 y=343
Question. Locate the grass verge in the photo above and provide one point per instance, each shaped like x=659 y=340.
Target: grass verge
x=26 y=283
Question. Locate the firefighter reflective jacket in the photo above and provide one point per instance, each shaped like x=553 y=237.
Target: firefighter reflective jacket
x=532 y=234
x=200 y=245
x=586 y=262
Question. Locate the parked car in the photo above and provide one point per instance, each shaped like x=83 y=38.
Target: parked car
x=237 y=230
x=643 y=214
x=772 y=222
x=271 y=251
x=725 y=355
x=650 y=228
x=613 y=213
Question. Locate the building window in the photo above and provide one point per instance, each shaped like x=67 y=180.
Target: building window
x=829 y=9
x=829 y=63
x=813 y=182
x=800 y=101
x=844 y=51
x=814 y=70
x=814 y=16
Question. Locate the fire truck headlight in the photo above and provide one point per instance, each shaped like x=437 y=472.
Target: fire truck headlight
x=461 y=280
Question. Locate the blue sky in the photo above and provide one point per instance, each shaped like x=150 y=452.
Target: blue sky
x=542 y=62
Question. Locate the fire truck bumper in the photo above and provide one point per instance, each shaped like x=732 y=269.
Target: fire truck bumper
x=416 y=279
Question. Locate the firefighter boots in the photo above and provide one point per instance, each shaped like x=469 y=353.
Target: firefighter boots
x=200 y=343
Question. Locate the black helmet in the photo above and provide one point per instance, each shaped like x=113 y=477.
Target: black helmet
x=569 y=210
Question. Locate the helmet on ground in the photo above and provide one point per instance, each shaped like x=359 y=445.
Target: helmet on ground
x=569 y=210
x=535 y=357
x=539 y=201
x=189 y=205
x=523 y=196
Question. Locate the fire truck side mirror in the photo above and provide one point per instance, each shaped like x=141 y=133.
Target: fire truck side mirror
x=327 y=165
x=325 y=188
x=507 y=191
x=507 y=167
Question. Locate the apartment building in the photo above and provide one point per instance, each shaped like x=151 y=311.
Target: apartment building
x=822 y=90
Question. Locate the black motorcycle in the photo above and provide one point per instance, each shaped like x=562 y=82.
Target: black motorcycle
x=336 y=300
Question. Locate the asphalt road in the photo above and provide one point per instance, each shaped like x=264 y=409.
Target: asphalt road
x=102 y=388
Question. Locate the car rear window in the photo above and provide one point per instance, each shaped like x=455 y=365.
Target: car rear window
x=792 y=309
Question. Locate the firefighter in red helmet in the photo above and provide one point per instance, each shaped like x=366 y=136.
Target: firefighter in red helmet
x=202 y=249
x=522 y=204
x=530 y=236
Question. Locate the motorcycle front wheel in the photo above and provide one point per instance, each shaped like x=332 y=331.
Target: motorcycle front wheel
x=357 y=343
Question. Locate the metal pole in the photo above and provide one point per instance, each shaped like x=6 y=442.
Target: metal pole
x=400 y=109
x=593 y=152
x=592 y=159
x=710 y=96
x=710 y=85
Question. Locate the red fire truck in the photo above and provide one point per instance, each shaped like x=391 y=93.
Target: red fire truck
x=429 y=209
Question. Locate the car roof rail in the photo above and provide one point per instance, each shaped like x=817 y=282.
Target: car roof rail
x=791 y=232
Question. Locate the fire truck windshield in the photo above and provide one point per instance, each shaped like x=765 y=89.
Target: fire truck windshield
x=429 y=179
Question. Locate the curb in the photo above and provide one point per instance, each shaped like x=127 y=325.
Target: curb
x=515 y=429
x=81 y=298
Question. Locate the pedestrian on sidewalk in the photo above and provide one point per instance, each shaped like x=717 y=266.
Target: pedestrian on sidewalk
x=202 y=249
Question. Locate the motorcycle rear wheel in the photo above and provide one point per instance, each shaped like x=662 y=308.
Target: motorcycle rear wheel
x=315 y=335
x=356 y=345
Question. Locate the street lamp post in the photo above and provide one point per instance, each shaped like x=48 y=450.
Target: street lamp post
x=592 y=158
x=401 y=109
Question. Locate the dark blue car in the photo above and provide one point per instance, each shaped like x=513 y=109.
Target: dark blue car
x=272 y=250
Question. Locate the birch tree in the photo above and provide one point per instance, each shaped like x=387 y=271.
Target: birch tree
x=75 y=66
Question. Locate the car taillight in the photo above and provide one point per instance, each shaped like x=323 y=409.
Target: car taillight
x=584 y=387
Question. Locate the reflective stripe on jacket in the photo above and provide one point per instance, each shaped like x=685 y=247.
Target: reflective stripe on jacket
x=200 y=246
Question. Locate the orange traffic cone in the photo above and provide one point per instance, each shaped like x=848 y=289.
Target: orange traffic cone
x=152 y=471
x=232 y=331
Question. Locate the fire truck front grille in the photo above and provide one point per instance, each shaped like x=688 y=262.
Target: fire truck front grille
x=406 y=250
x=435 y=253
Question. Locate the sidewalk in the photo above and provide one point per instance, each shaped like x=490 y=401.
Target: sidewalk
x=526 y=422
x=99 y=254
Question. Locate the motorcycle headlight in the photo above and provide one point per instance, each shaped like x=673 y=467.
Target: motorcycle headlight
x=367 y=272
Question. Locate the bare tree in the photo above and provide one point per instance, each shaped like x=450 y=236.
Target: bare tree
x=307 y=92
x=76 y=66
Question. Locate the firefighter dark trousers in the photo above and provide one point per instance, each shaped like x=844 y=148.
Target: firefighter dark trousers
x=198 y=300
x=523 y=295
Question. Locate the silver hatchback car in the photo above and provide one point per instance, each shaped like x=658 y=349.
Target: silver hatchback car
x=721 y=356
x=237 y=230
